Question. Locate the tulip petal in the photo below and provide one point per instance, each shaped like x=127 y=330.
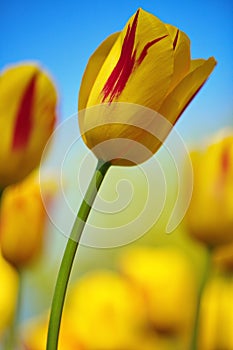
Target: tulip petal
x=27 y=116
x=181 y=47
x=23 y=123
x=139 y=66
x=14 y=82
x=93 y=67
x=178 y=99
x=44 y=114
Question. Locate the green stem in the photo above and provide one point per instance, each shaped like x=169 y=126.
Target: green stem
x=205 y=277
x=69 y=255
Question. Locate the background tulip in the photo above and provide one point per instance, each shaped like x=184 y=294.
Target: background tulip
x=210 y=215
x=22 y=221
x=217 y=315
x=164 y=278
x=35 y=332
x=102 y=315
x=139 y=310
x=27 y=116
x=113 y=315
x=148 y=64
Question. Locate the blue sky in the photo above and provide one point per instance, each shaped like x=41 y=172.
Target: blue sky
x=62 y=36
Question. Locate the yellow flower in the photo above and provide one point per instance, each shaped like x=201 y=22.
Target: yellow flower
x=8 y=293
x=164 y=277
x=217 y=316
x=22 y=221
x=106 y=312
x=35 y=331
x=210 y=215
x=27 y=116
x=34 y=335
x=148 y=64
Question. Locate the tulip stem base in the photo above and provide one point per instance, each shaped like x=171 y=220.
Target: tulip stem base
x=69 y=255
x=204 y=280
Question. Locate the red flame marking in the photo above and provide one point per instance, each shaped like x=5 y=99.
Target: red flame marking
x=126 y=63
x=225 y=160
x=176 y=39
x=23 y=124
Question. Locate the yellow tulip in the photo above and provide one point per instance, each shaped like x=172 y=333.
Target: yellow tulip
x=8 y=293
x=105 y=311
x=34 y=335
x=164 y=277
x=146 y=64
x=210 y=215
x=22 y=221
x=217 y=316
x=27 y=116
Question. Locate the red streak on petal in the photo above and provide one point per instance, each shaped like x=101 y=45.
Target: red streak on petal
x=146 y=48
x=23 y=124
x=126 y=64
x=176 y=39
x=224 y=167
x=124 y=67
x=225 y=161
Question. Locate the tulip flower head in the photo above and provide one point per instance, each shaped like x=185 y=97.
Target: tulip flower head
x=163 y=275
x=27 y=117
x=22 y=222
x=210 y=215
x=113 y=315
x=140 y=80
x=217 y=315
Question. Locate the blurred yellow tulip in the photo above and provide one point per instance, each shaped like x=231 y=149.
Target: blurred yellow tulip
x=22 y=221
x=217 y=316
x=27 y=117
x=210 y=215
x=165 y=278
x=105 y=312
x=146 y=64
x=111 y=317
x=34 y=335
x=8 y=293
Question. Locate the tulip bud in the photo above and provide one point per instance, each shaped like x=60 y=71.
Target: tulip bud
x=27 y=117
x=8 y=293
x=210 y=215
x=141 y=80
x=22 y=222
